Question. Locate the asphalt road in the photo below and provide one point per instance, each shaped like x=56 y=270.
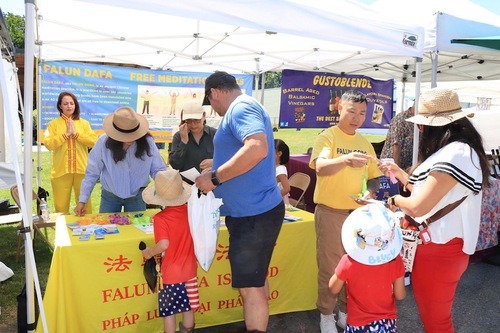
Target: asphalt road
x=476 y=308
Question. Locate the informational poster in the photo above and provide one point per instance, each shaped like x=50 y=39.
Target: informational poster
x=483 y=103
x=311 y=99
x=157 y=95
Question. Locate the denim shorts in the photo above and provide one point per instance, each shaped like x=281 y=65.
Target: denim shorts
x=251 y=244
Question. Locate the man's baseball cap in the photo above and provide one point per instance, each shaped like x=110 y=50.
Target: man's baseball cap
x=217 y=80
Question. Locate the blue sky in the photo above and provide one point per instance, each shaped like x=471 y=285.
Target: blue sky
x=17 y=6
x=12 y=6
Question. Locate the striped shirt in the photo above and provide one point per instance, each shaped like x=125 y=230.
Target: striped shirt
x=461 y=162
x=125 y=178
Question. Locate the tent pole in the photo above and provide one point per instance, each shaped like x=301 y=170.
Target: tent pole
x=263 y=87
x=28 y=155
x=434 y=60
x=31 y=271
x=418 y=70
x=256 y=78
x=39 y=122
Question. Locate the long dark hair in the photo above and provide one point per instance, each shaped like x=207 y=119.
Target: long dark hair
x=119 y=154
x=76 y=113
x=434 y=138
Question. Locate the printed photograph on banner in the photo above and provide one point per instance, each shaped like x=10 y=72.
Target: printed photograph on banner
x=378 y=112
x=162 y=106
x=300 y=115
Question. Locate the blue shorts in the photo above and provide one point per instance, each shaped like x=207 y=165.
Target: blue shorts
x=251 y=244
x=377 y=326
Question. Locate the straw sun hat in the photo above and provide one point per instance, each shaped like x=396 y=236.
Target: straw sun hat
x=125 y=125
x=167 y=190
x=371 y=235
x=438 y=107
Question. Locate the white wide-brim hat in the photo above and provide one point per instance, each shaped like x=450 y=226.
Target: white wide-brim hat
x=371 y=235
x=167 y=190
x=439 y=107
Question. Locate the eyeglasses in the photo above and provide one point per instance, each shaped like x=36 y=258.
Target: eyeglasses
x=192 y=121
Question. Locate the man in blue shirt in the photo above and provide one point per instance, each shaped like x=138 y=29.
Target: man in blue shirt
x=243 y=175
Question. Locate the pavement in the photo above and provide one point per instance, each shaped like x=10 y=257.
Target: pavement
x=476 y=308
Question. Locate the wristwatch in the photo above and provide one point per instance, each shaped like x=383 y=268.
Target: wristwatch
x=215 y=180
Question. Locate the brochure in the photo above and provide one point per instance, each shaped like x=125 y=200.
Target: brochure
x=146 y=228
x=291 y=218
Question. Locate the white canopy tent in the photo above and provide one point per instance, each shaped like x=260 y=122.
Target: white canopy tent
x=445 y=20
x=248 y=36
x=238 y=36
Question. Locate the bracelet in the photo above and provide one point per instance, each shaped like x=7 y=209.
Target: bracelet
x=393 y=200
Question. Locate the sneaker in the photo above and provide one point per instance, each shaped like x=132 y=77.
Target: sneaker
x=327 y=323
x=342 y=320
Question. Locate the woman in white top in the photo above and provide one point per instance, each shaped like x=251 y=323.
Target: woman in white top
x=282 y=153
x=452 y=165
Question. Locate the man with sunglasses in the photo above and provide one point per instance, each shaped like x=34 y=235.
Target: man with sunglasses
x=243 y=174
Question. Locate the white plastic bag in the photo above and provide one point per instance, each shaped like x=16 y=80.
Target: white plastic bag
x=204 y=222
x=5 y=272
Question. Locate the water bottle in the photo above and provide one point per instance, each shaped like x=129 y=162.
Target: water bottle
x=44 y=208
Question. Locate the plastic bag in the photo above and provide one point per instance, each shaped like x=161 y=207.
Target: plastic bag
x=5 y=272
x=204 y=223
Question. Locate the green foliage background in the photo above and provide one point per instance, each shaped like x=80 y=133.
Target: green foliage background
x=15 y=24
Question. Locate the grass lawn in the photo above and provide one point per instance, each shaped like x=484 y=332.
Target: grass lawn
x=298 y=141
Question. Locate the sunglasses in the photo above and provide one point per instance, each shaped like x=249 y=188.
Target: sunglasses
x=208 y=94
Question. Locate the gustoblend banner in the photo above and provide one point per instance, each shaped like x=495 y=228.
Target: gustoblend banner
x=311 y=99
x=100 y=89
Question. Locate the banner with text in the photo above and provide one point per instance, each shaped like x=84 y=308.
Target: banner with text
x=101 y=89
x=99 y=285
x=311 y=99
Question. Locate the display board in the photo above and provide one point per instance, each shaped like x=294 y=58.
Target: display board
x=311 y=99
x=100 y=89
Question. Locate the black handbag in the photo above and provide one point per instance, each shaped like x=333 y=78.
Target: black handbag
x=152 y=270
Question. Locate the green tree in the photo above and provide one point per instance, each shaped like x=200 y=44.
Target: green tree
x=273 y=80
x=15 y=24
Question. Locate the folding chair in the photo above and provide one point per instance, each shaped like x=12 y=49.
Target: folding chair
x=301 y=181
x=38 y=222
